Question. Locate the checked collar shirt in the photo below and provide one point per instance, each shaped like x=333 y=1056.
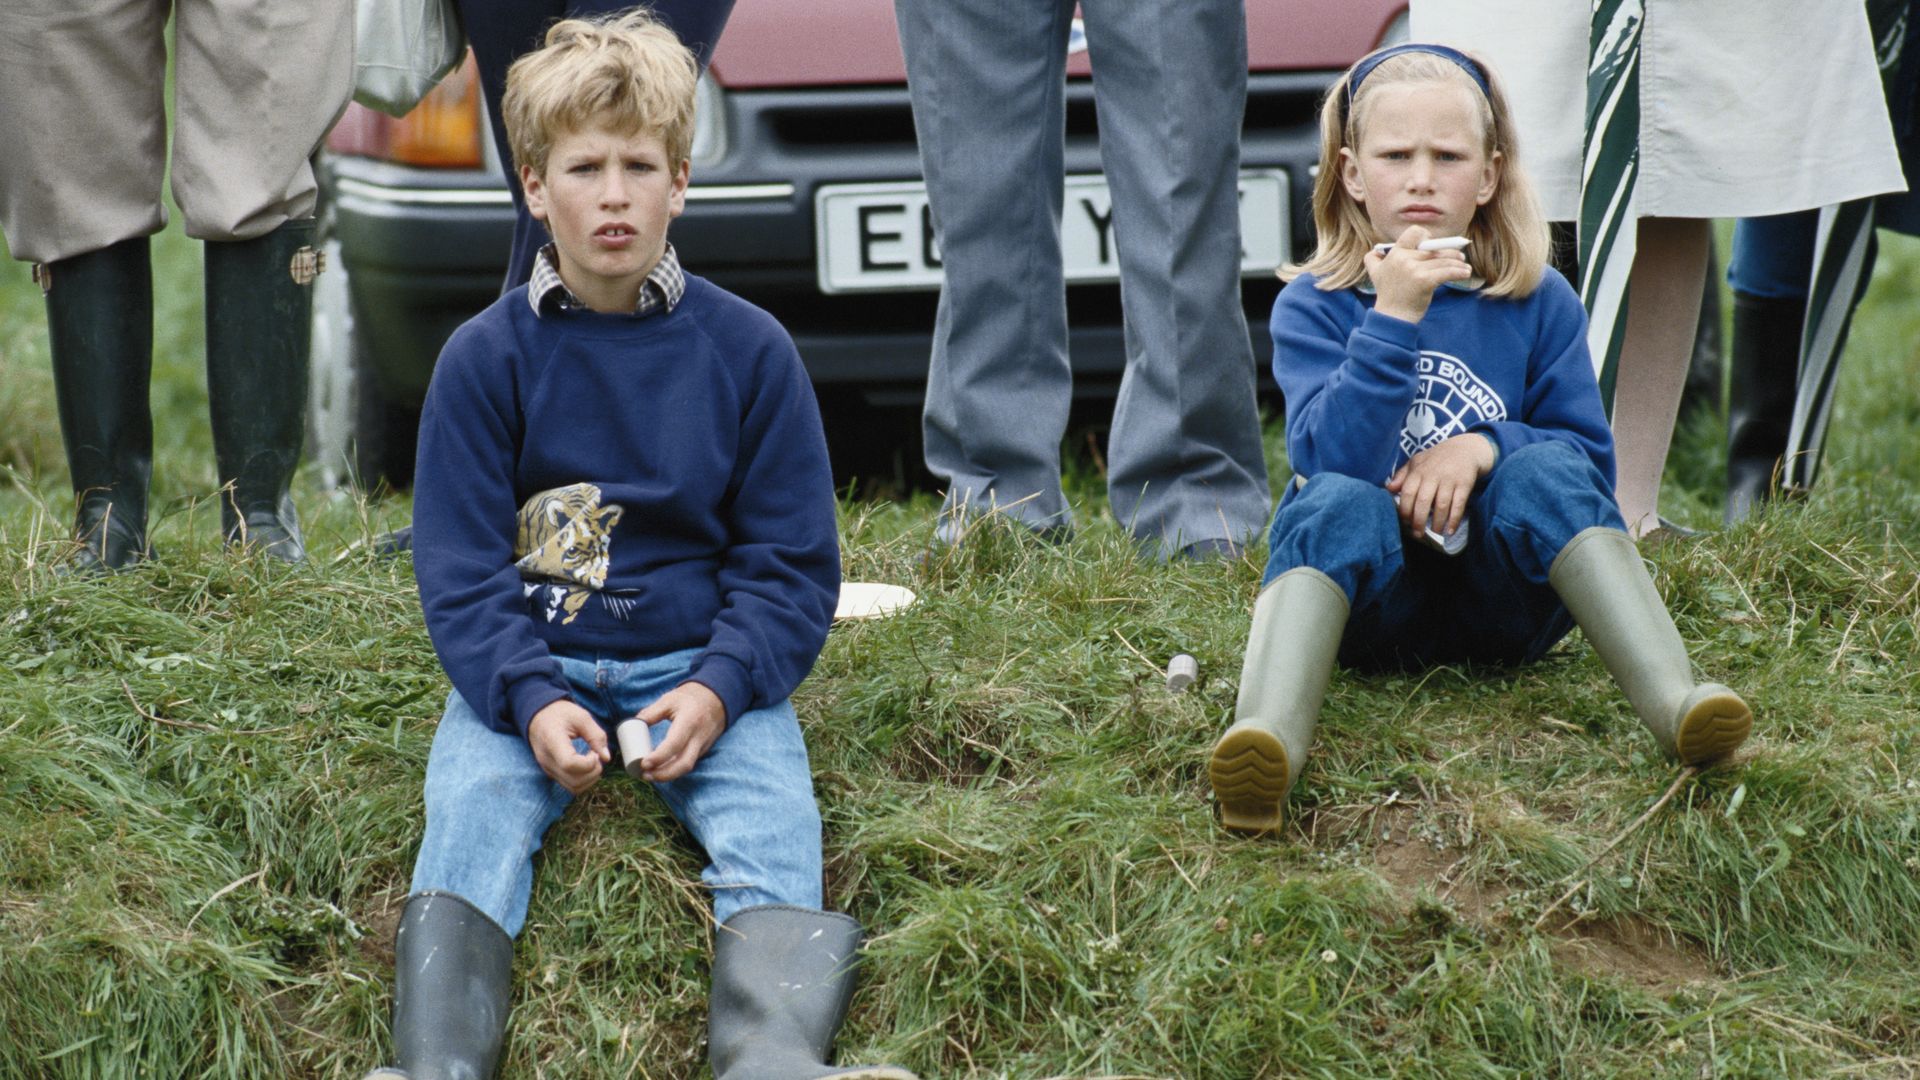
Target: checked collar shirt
x=659 y=294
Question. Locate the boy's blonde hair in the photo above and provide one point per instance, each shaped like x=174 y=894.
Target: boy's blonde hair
x=1509 y=233
x=625 y=70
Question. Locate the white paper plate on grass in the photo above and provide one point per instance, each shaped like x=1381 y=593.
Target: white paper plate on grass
x=870 y=600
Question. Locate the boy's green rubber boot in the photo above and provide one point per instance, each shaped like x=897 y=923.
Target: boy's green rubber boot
x=259 y=308
x=782 y=979
x=1297 y=622
x=1601 y=579
x=100 y=328
x=451 y=967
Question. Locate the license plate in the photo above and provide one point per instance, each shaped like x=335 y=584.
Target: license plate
x=879 y=237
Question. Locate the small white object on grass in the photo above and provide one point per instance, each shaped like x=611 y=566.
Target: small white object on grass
x=1438 y=243
x=1181 y=671
x=870 y=600
x=635 y=742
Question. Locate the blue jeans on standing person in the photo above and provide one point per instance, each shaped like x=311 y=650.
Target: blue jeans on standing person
x=1413 y=606
x=749 y=801
x=1773 y=256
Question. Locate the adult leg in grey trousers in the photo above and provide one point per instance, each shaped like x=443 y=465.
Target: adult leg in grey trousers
x=988 y=84
x=1185 y=462
x=986 y=78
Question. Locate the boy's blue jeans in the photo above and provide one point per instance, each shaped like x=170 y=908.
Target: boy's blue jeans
x=749 y=801
x=1413 y=606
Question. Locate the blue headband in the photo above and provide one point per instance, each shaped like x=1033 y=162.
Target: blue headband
x=1365 y=67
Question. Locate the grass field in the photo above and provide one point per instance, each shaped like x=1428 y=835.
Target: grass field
x=210 y=773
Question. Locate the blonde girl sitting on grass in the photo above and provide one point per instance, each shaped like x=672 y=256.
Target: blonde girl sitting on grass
x=1439 y=401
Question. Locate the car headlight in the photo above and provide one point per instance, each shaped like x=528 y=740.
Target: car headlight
x=1396 y=32
x=709 y=122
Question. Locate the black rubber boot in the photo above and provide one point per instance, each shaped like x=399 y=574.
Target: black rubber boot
x=100 y=323
x=259 y=305
x=1762 y=379
x=782 y=978
x=451 y=966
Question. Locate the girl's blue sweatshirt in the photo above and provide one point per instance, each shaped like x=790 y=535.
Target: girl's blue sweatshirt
x=1366 y=391
x=632 y=486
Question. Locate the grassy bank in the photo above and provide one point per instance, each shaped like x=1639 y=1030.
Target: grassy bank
x=210 y=770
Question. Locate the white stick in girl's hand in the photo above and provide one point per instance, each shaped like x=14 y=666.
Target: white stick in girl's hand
x=1438 y=243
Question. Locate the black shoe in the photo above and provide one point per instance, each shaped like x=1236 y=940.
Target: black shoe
x=275 y=533
x=397 y=542
x=1668 y=532
x=1761 y=384
x=1216 y=550
x=950 y=535
x=108 y=543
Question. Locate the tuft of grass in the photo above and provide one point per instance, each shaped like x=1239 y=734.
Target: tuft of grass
x=210 y=778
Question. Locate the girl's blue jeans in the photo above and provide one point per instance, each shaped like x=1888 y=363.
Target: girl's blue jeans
x=749 y=801
x=1413 y=606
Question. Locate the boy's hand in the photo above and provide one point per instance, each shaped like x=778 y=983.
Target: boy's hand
x=1405 y=277
x=551 y=734
x=698 y=719
x=1435 y=483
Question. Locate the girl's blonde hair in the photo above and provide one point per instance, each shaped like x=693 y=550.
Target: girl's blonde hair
x=1509 y=233
x=625 y=70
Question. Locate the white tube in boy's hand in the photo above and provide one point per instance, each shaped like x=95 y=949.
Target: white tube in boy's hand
x=1438 y=243
x=636 y=741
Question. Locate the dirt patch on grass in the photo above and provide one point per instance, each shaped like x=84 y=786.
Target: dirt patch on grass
x=379 y=920
x=1635 y=950
x=1407 y=845
x=1408 y=848
x=1407 y=861
x=1411 y=861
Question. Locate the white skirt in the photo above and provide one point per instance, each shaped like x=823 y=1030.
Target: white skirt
x=1747 y=107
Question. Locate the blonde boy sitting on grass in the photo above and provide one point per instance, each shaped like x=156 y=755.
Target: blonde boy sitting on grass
x=622 y=508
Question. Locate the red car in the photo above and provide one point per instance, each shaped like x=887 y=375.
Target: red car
x=806 y=200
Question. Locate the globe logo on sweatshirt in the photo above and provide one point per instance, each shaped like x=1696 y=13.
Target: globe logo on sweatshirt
x=1451 y=401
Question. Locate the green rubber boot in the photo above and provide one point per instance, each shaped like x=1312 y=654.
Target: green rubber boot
x=1601 y=579
x=100 y=327
x=1297 y=622
x=451 y=967
x=782 y=979
x=259 y=304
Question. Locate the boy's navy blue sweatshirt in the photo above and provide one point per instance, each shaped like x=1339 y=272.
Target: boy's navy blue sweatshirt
x=1366 y=391
x=636 y=486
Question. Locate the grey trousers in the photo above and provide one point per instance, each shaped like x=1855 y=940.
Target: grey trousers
x=83 y=139
x=987 y=78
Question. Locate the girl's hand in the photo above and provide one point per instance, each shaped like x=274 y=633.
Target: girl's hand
x=1405 y=277
x=1434 y=484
